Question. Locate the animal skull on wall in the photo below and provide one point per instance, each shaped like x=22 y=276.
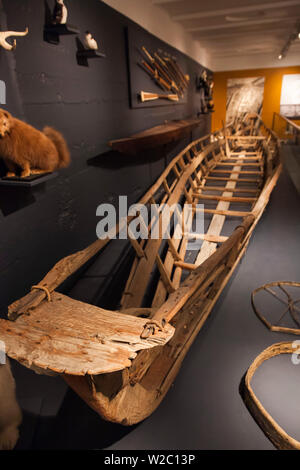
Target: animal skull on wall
x=6 y=34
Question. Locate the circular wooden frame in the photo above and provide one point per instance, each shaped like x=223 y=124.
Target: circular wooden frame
x=290 y=303
x=269 y=426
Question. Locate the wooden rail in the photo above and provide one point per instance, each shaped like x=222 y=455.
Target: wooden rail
x=287 y=124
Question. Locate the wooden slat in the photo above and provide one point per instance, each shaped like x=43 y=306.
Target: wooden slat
x=240 y=164
x=138 y=249
x=211 y=197
x=167 y=189
x=173 y=249
x=217 y=221
x=223 y=188
x=224 y=212
x=244 y=153
x=240 y=172
x=187 y=266
x=244 y=158
x=207 y=237
x=240 y=180
x=246 y=137
x=164 y=275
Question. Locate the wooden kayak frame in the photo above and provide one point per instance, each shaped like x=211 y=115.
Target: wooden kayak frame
x=129 y=395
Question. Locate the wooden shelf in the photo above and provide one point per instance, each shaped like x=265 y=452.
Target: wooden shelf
x=84 y=55
x=28 y=182
x=52 y=32
x=154 y=137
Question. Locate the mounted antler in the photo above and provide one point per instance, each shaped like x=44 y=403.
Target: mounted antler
x=6 y=34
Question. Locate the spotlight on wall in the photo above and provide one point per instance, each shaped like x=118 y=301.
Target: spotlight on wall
x=298 y=35
x=280 y=56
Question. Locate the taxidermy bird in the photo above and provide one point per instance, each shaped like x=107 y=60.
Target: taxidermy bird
x=60 y=13
x=6 y=34
x=90 y=42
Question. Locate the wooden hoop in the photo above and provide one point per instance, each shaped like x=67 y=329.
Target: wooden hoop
x=282 y=329
x=279 y=438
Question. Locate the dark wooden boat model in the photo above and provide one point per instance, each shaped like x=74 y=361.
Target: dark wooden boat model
x=154 y=137
x=123 y=362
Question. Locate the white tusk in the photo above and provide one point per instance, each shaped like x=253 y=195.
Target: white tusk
x=6 y=34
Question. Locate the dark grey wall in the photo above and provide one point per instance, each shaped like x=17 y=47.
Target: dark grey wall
x=90 y=106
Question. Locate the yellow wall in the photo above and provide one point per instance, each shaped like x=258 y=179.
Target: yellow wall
x=272 y=92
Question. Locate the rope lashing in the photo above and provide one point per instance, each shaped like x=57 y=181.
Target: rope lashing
x=45 y=289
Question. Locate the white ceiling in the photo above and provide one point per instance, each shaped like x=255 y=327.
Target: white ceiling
x=239 y=34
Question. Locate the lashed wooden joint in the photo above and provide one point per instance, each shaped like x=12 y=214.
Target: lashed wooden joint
x=151 y=328
x=45 y=289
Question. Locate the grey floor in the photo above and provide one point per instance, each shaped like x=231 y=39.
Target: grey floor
x=203 y=409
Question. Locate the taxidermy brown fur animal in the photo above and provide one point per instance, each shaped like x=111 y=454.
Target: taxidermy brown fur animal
x=10 y=412
x=34 y=152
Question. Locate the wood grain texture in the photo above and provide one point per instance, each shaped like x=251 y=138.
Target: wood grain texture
x=72 y=337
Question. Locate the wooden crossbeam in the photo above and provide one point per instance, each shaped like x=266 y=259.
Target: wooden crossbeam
x=246 y=137
x=238 y=172
x=164 y=275
x=244 y=180
x=176 y=171
x=224 y=198
x=244 y=153
x=217 y=221
x=238 y=163
x=173 y=250
x=188 y=156
x=167 y=189
x=138 y=249
x=207 y=237
x=237 y=159
x=187 y=266
x=223 y=188
x=224 y=212
x=181 y=164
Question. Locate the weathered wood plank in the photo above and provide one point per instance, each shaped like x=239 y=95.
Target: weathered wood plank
x=72 y=337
